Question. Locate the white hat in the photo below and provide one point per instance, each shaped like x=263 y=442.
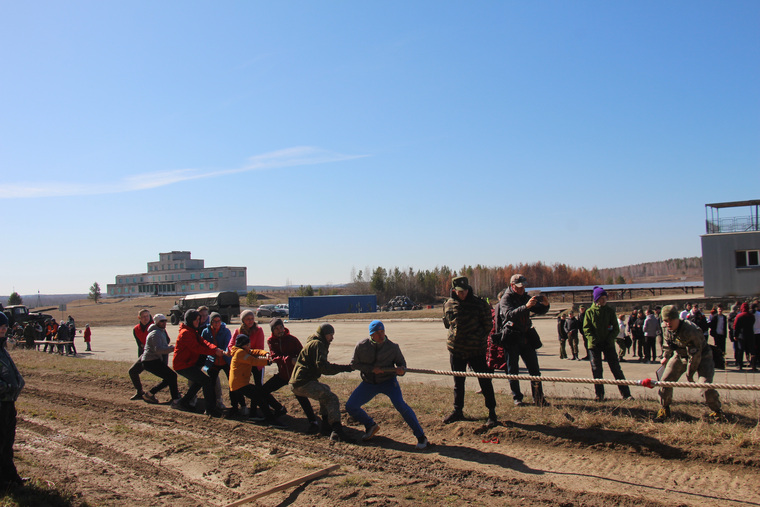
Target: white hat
x=159 y=317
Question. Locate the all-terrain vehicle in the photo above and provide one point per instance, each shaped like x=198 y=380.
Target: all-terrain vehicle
x=226 y=304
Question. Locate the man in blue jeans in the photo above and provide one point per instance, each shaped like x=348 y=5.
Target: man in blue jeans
x=376 y=358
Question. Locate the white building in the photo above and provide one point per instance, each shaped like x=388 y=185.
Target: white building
x=731 y=249
x=175 y=273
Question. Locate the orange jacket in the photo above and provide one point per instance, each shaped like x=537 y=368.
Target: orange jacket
x=243 y=362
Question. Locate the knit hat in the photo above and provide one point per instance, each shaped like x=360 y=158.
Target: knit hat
x=190 y=317
x=375 y=326
x=518 y=280
x=461 y=283
x=242 y=340
x=669 y=312
x=325 y=329
x=599 y=292
x=245 y=313
x=275 y=322
x=156 y=318
x=213 y=316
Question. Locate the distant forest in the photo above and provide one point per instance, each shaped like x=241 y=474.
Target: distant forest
x=430 y=286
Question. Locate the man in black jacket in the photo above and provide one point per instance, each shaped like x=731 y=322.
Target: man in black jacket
x=515 y=308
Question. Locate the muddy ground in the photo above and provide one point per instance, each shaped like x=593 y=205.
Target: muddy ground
x=79 y=433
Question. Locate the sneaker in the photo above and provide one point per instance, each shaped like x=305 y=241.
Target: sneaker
x=215 y=413
x=662 y=414
x=245 y=411
x=150 y=398
x=628 y=398
x=492 y=421
x=257 y=418
x=371 y=432
x=137 y=396
x=715 y=416
x=519 y=403
x=280 y=412
x=422 y=443
x=313 y=428
x=455 y=416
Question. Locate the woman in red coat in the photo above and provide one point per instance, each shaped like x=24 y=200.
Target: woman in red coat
x=189 y=348
x=87 y=337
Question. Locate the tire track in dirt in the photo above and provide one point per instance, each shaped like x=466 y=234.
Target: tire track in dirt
x=526 y=469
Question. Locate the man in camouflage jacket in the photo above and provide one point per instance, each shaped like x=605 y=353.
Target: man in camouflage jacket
x=468 y=319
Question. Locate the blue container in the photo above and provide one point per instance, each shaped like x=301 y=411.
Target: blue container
x=314 y=307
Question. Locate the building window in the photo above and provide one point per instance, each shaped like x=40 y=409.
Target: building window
x=192 y=276
x=234 y=273
x=201 y=287
x=192 y=286
x=220 y=274
x=241 y=274
x=183 y=288
x=211 y=286
x=175 y=265
x=747 y=258
x=202 y=277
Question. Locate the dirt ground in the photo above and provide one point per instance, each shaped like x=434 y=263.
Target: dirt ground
x=79 y=435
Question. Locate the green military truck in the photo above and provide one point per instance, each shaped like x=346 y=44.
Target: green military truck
x=21 y=314
x=226 y=304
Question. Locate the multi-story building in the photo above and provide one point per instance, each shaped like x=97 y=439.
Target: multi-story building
x=175 y=273
x=731 y=249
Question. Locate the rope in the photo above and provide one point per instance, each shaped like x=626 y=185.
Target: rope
x=650 y=383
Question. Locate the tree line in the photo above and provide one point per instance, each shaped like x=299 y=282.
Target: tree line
x=430 y=286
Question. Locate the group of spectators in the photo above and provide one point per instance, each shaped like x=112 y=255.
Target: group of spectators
x=58 y=337
x=641 y=333
x=205 y=347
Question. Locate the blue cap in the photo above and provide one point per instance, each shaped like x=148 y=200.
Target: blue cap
x=375 y=326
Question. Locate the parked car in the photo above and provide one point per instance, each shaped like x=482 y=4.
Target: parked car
x=282 y=310
x=265 y=311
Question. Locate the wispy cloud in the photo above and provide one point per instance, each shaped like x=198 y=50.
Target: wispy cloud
x=289 y=157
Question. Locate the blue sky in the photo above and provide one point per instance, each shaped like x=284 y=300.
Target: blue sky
x=304 y=139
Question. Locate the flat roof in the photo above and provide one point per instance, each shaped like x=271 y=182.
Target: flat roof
x=621 y=286
x=734 y=204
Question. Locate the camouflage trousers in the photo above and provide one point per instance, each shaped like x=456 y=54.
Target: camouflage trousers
x=329 y=405
x=676 y=366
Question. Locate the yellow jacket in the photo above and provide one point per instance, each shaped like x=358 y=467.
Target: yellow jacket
x=243 y=362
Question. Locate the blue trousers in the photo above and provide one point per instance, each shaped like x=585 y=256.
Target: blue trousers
x=365 y=391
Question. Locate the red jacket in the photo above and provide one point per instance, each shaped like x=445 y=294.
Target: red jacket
x=189 y=347
x=141 y=334
x=284 y=352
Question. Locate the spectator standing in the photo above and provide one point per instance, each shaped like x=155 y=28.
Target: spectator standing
x=520 y=338
x=744 y=336
x=685 y=342
x=756 y=340
x=562 y=334
x=719 y=328
x=140 y=333
x=29 y=335
x=284 y=349
x=87 y=337
x=581 y=332
x=11 y=384
x=187 y=352
x=571 y=328
x=622 y=337
x=637 y=330
x=651 y=325
x=601 y=329
x=380 y=362
x=468 y=320
x=311 y=364
x=731 y=333
x=685 y=312
x=156 y=348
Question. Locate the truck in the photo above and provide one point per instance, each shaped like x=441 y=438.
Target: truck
x=226 y=304
x=21 y=314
